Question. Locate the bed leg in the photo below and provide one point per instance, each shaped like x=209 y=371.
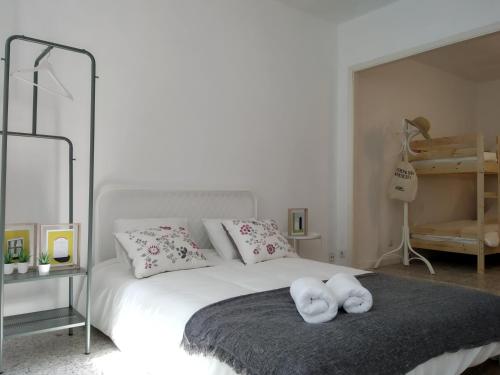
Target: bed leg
x=480 y=264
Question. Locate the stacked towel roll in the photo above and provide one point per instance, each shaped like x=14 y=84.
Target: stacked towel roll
x=350 y=294
x=314 y=300
x=318 y=302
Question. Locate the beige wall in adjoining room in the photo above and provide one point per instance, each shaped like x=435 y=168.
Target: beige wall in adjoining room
x=488 y=111
x=488 y=121
x=383 y=96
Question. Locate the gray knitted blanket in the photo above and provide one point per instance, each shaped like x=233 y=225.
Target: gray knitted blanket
x=410 y=322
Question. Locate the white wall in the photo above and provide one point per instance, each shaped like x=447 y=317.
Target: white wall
x=7 y=22
x=397 y=30
x=488 y=111
x=195 y=94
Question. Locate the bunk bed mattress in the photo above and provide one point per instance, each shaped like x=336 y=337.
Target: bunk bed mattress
x=463 y=232
x=488 y=157
x=491 y=239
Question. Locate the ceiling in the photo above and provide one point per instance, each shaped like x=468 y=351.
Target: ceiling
x=337 y=10
x=475 y=59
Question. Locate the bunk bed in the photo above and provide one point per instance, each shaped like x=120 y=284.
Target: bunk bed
x=461 y=155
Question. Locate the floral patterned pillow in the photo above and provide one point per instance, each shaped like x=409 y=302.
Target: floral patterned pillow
x=257 y=240
x=160 y=249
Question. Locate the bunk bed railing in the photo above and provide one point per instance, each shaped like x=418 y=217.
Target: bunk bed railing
x=445 y=147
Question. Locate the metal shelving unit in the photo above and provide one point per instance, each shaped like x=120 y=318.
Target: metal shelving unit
x=42 y=321
x=66 y=317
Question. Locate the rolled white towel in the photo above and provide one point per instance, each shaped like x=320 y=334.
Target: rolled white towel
x=350 y=294
x=314 y=300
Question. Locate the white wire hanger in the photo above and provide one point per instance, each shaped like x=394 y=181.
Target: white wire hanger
x=44 y=66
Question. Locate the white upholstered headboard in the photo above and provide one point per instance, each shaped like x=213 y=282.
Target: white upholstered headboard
x=134 y=203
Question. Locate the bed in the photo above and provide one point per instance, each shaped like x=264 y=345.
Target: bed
x=463 y=154
x=460 y=235
x=146 y=318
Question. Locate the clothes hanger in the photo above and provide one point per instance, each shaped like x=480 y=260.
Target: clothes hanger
x=44 y=66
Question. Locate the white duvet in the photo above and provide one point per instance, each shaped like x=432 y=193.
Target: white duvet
x=146 y=318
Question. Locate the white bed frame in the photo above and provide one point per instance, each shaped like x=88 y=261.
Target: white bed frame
x=126 y=202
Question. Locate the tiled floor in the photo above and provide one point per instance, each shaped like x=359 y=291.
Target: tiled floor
x=60 y=354
x=457 y=269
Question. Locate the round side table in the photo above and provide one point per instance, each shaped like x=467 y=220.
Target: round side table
x=295 y=239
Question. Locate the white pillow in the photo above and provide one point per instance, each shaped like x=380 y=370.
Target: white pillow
x=121 y=255
x=219 y=239
x=124 y=225
x=160 y=249
x=492 y=213
x=257 y=240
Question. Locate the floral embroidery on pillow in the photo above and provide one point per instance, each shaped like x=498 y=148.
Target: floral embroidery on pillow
x=163 y=248
x=258 y=240
x=246 y=229
x=270 y=249
x=154 y=250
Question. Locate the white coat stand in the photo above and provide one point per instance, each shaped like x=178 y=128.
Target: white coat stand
x=408 y=133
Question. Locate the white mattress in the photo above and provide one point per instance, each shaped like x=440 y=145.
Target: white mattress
x=146 y=318
x=488 y=156
x=491 y=239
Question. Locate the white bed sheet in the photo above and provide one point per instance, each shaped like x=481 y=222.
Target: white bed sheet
x=146 y=318
x=488 y=156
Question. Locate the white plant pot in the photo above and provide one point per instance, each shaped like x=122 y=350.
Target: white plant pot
x=43 y=269
x=22 y=267
x=8 y=269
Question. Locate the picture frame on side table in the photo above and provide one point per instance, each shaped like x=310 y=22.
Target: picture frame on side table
x=297 y=221
x=62 y=243
x=20 y=238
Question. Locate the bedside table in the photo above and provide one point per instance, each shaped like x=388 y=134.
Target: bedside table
x=295 y=239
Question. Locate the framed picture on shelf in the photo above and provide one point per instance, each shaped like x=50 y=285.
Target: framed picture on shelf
x=297 y=221
x=20 y=239
x=62 y=243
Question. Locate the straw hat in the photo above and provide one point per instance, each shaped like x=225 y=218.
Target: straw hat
x=422 y=124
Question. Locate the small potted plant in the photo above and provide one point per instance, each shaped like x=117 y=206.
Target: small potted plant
x=23 y=262
x=44 y=263
x=8 y=264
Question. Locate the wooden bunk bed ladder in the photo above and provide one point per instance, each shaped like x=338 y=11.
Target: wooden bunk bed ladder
x=480 y=202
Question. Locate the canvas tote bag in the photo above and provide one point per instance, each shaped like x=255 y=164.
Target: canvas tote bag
x=404 y=182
